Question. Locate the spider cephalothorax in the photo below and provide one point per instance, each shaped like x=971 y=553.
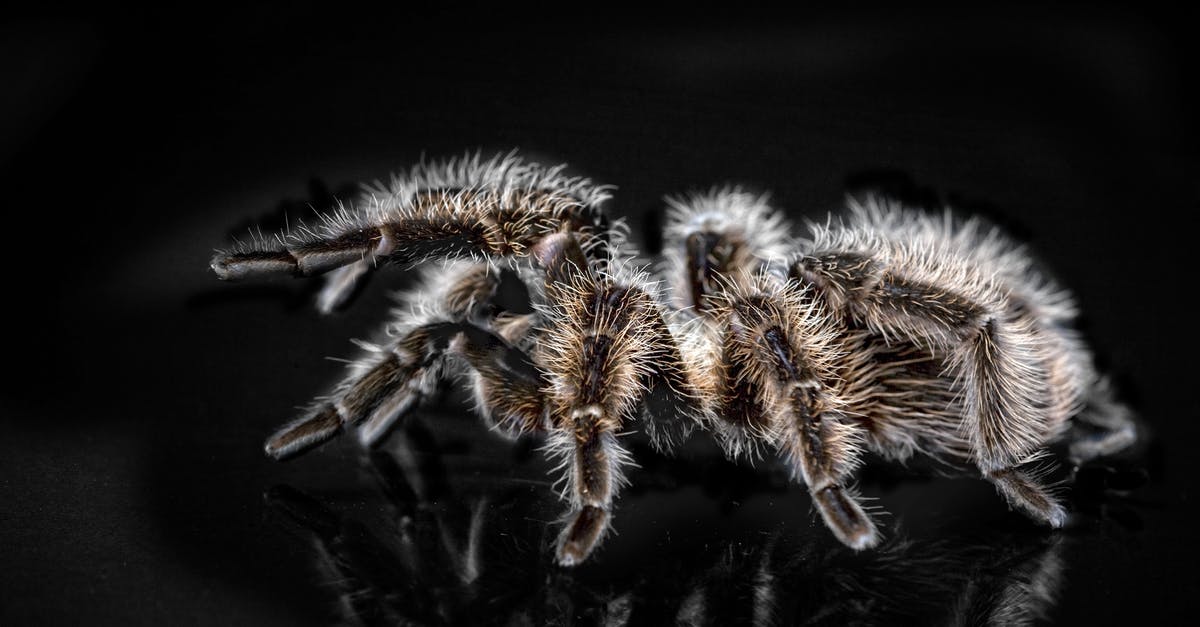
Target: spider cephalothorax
x=594 y=354
x=891 y=330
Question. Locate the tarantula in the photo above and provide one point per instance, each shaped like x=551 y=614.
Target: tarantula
x=894 y=331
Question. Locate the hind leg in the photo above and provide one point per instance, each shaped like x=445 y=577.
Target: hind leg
x=996 y=356
x=1028 y=492
x=1114 y=426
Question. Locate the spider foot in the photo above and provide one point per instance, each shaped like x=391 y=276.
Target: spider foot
x=846 y=518
x=305 y=433
x=581 y=535
x=1029 y=495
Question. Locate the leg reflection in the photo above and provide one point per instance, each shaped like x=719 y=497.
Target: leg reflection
x=444 y=555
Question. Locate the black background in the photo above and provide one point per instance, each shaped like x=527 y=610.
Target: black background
x=139 y=388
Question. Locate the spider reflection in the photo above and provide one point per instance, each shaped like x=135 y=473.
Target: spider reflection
x=443 y=556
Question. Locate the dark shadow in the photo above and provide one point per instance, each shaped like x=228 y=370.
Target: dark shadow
x=290 y=296
x=650 y=228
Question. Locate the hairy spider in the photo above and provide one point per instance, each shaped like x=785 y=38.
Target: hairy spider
x=595 y=352
x=892 y=330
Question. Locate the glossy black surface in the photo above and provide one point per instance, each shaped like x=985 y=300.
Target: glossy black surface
x=139 y=388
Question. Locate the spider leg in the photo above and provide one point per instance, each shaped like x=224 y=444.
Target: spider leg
x=583 y=438
x=997 y=351
x=671 y=407
x=775 y=384
x=444 y=224
x=824 y=446
x=340 y=284
x=387 y=384
x=593 y=457
x=715 y=236
x=1114 y=420
x=507 y=384
x=708 y=256
x=466 y=206
x=383 y=386
x=600 y=347
x=390 y=380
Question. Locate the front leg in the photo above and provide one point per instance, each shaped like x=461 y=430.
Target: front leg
x=467 y=206
x=593 y=460
x=582 y=438
x=600 y=346
x=440 y=224
x=391 y=379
